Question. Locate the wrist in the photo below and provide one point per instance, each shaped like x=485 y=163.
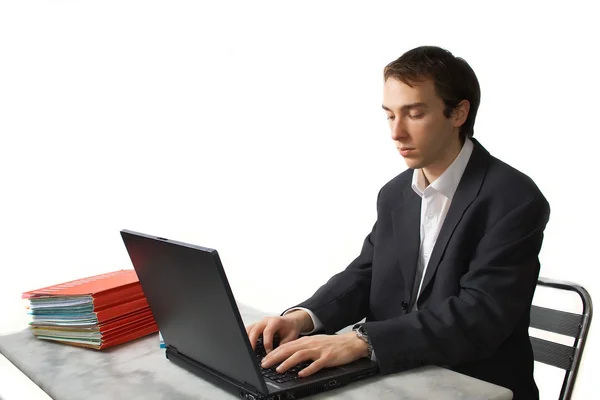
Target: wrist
x=366 y=347
x=359 y=346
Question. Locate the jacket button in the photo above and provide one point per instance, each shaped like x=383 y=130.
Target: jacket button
x=404 y=305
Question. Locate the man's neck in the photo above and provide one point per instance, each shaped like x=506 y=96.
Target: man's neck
x=434 y=171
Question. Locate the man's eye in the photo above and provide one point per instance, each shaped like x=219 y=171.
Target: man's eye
x=415 y=116
x=390 y=117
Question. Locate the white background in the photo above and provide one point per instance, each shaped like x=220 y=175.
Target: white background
x=256 y=128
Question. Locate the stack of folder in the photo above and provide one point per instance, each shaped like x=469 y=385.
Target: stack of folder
x=96 y=312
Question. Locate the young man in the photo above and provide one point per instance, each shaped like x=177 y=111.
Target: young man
x=447 y=275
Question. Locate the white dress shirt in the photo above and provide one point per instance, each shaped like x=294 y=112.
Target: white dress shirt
x=435 y=202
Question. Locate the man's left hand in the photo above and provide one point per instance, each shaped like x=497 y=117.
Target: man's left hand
x=324 y=350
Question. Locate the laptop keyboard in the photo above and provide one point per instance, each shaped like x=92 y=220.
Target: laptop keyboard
x=270 y=373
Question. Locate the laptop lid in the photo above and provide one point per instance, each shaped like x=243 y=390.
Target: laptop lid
x=193 y=305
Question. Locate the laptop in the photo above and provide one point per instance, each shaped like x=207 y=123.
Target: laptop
x=189 y=294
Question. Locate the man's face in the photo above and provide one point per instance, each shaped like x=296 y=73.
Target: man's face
x=422 y=134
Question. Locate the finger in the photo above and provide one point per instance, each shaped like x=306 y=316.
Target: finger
x=277 y=356
x=295 y=359
x=315 y=366
x=285 y=350
x=271 y=359
x=249 y=328
x=268 y=334
x=255 y=333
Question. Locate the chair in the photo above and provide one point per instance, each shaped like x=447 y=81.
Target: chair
x=564 y=323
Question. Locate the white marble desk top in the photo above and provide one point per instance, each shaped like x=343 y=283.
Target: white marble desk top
x=140 y=370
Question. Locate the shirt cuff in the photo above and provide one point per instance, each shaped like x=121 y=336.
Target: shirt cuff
x=373 y=358
x=317 y=325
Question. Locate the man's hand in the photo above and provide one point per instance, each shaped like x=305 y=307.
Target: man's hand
x=324 y=350
x=288 y=327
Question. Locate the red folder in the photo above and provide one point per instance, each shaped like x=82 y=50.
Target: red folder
x=104 y=287
x=119 y=310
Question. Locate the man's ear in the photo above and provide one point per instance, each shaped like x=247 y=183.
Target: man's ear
x=460 y=113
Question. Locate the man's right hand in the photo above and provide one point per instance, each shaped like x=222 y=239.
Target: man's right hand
x=288 y=327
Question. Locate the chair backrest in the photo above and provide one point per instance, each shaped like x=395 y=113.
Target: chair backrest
x=564 y=323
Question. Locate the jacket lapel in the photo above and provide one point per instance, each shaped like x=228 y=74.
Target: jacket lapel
x=406 y=222
x=466 y=192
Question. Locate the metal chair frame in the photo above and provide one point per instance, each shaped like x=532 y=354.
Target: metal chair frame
x=564 y=323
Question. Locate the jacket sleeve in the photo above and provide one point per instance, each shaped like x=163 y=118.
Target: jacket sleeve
x=494 y=294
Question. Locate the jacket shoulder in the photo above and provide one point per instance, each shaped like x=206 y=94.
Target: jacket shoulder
x=395 y=186
x=507 y=181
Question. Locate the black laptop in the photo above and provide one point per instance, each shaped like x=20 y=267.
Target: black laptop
x=197 y=315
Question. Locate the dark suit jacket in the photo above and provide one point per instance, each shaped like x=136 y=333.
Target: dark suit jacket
x=473 y=311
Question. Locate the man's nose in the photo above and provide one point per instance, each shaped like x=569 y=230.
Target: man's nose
x=398 y=130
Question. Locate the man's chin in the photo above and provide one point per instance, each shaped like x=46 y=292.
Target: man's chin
x=412 y=163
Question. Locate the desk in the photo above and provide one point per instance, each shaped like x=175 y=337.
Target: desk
x=140 y=370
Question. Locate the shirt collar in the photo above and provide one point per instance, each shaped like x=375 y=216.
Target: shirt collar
x=448 y=182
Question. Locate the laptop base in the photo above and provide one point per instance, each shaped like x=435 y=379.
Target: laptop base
x=292 y=391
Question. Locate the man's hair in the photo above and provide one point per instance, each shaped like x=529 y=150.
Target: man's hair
x=452 y=76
